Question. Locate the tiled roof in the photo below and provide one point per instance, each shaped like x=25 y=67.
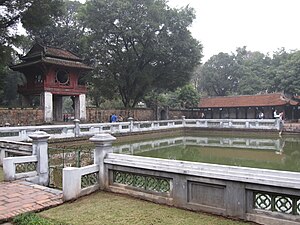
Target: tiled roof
x=60 y=53
x=53 y=61
x=50 y=55
x=39 y=50
x=274 y=99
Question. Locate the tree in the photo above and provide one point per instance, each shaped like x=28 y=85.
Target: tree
x=288 y=74
x=254 y=70
x=141 y=45
x=220 y=75
x=188 y=97
x=28 y=12
x=66 y=31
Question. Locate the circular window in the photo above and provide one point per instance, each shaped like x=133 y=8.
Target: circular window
x=62 y=76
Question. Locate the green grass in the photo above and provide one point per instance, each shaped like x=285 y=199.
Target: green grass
x=33 y=219
x=113 y=209
x=1 y=174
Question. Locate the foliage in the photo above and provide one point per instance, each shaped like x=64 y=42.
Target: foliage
x=248 y=73
x=154 y=99
x=254 y=70
x=188 y=97
x=66 y=31
x=32 y=14
x=33 y=219
x=140 y=46
x=289 y=75
x=220 y=75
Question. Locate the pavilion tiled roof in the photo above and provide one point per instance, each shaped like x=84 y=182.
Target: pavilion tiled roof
x=274 y=99
x=50 y=55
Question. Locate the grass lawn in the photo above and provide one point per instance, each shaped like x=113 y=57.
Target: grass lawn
x=1 y=174
x=108 y=208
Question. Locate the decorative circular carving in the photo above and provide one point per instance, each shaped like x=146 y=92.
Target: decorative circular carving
x=263 y=201
x=283 y=204
x=62 y=77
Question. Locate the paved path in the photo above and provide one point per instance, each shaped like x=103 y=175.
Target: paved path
x=21 y=196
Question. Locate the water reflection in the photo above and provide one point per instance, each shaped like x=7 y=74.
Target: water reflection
x=267 y=153
x=276 y=145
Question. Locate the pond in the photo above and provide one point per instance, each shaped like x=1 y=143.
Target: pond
x=266 y=153
x=235 y=150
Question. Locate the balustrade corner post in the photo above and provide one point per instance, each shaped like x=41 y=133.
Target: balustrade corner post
x=103 y=145
x=183 y=121
x=277 y=124
x=9 y=169
x=130 y=120
x=71 y=183
x=40 y=149
x=76 y=128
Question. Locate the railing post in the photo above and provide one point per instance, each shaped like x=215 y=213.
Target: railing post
x=183 y=121
x=40 y=149
x=2 y=156
x=103 y=145
x=71 y=183
x=130 y=120
x=76 y=128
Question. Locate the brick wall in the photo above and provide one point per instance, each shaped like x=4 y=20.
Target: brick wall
x=94 y=115
x=18 y=116
x=30 y=116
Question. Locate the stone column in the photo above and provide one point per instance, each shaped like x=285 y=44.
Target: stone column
x=103 y=144
x=80 y=107
x=58 y=107
x=40 y=149
x=76 y=128
x=130 y=120
x=47 y=104
x=183 y=121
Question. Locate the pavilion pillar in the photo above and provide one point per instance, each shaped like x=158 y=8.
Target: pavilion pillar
x=47 y=104
x=58 y=107
x=80 y=107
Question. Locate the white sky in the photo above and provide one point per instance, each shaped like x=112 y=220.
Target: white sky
x=261 y=25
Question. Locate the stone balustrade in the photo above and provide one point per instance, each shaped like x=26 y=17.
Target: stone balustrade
x=77 y=129
x=34 y=168
x=258 y=195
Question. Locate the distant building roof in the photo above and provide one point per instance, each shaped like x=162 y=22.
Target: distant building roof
x=274 y=99
x=50 y=55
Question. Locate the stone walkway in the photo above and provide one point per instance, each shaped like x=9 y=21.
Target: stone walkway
x=21 y=196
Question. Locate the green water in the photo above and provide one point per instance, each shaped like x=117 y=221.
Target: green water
x=268 y=153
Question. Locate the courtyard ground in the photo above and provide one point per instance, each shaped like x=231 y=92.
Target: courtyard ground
x=108 y=208
x=114 y=209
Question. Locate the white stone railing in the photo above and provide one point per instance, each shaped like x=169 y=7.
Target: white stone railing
x=75 y=181
x=34 y=168
x=258 y=195
x=75 y=130
x=11 y=163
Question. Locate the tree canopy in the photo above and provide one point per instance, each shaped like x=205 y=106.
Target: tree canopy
x=247 y=73
x=141 y=45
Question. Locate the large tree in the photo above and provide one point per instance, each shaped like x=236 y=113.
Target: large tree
x=288 y=74
x=141 y=45
x=220 y=75
x=14 y=13
x=254 y=71
x=30 y=13
x=66 y=31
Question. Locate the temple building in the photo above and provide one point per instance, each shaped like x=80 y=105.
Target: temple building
x=249 y=106
x=52 y=73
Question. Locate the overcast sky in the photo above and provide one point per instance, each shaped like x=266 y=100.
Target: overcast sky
x=261 y=25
